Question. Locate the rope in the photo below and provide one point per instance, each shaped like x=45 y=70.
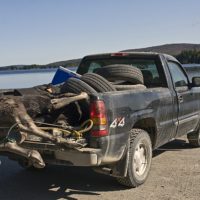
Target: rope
x=84 y=127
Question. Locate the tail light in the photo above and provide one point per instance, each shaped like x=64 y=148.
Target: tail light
x=99 y=118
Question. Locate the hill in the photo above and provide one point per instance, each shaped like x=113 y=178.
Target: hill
x=185 y=53
x=172 y=49
x=67 y=63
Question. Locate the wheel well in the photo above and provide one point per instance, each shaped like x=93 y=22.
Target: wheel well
x=149 y=125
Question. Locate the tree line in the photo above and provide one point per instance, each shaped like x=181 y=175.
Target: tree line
x=185 y=57
x=188 y=57
x=65 y=64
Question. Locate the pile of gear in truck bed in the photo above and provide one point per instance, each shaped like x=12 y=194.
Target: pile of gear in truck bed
x=57 y=116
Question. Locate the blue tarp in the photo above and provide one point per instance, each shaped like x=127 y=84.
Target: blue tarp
x=62 y=74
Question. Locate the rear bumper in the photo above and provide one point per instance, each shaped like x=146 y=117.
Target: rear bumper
x=85 y=157
x=73 y=157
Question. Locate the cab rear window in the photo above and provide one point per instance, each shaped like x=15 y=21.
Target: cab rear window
x=153 y=75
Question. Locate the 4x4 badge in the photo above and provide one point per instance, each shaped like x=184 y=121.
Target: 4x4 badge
x=118 y=122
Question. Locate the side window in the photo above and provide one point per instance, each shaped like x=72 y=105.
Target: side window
x=178 y=76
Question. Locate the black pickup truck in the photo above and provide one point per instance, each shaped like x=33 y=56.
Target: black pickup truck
x=129 y=123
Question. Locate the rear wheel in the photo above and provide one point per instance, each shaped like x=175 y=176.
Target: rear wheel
x=194 y=138
x=140 y=156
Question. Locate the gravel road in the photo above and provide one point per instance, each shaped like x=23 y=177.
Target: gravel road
x=175 y=175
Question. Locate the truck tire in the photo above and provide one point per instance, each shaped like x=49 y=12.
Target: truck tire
x=97 y=82
x=140 y=156
x=115 y=72
x=75 y=85
x=129 y=87
x=194 y=138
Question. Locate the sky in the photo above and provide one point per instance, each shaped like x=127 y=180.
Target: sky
x=45 y=31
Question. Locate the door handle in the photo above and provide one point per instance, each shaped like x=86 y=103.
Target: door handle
x=180 y=98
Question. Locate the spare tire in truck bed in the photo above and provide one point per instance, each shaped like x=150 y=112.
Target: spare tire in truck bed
x=115 y=72
x=97 y=82
x=75 y=85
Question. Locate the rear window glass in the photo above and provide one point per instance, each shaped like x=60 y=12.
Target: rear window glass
x=155 y=74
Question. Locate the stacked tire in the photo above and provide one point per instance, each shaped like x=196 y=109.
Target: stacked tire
x=90 y=83
x=123 y=77
x=105 y=79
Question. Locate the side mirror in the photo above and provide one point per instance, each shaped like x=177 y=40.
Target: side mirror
x=196 y=81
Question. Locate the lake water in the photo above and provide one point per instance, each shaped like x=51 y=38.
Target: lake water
x=29 y=79
x=26 y=79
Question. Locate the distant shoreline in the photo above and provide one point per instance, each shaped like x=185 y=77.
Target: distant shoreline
x=23 y=71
